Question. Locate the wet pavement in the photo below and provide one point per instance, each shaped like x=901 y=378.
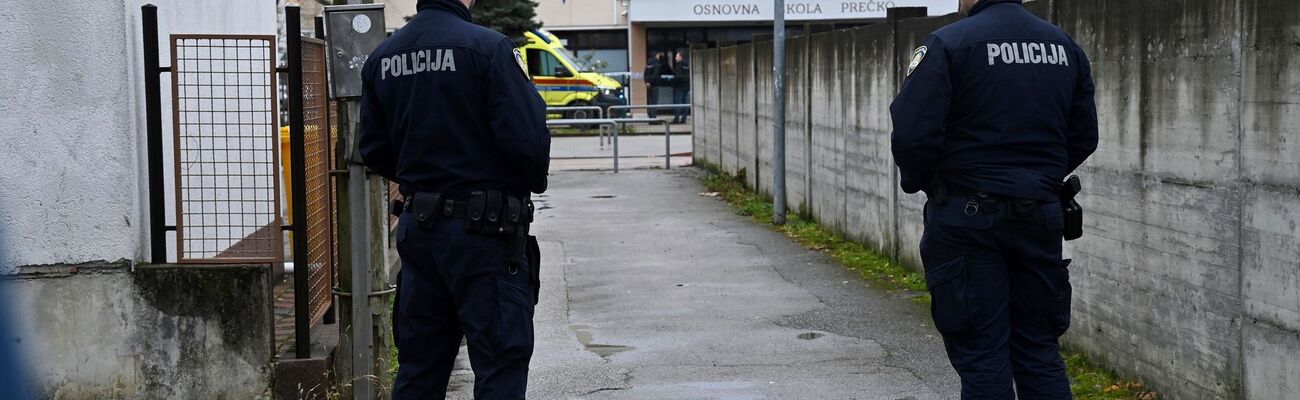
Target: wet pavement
x=652 y=291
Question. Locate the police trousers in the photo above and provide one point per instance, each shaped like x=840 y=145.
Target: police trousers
x=1000 y=293
x=455 y=285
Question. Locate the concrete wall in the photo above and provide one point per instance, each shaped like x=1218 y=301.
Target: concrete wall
x=98 y=331
x=582 y=14
x=72 y=118
x=67 y=120
x=1187 y=277
x=93 y=323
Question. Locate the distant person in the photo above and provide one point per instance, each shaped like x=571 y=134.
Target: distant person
x=655 y=69
x=681 y=87
x=995 y=111
x=450 y=114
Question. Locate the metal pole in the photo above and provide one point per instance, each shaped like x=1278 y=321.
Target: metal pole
x=616 y=128
x=668 y=146
x=153 y=129
x=331 y=315
x=778 y=145
x=358 y=193
x=298 y=175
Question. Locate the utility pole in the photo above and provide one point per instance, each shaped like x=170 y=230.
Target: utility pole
x=362 y=223
x=778 y=112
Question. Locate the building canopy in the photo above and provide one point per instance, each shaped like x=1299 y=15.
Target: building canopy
x=762 y=10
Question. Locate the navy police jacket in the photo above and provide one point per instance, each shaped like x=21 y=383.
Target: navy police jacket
x=999 y=102
x=448 y=108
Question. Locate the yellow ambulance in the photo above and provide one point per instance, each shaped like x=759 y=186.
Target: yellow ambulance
x=562 y=80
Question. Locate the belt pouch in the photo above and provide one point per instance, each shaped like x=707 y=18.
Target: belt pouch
x=477 y=204
x=425 y=207
x=514 y=211
x=492 y=213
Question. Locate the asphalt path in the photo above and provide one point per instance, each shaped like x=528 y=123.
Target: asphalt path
x=653 y=291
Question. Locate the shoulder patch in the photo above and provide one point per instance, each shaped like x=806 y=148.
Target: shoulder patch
x=917 y=57
x=519 y=58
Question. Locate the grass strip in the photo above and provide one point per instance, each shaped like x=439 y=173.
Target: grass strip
x=1087 y=380
x=855 y=256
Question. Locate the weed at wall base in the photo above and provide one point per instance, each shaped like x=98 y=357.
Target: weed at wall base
x=1087 y=381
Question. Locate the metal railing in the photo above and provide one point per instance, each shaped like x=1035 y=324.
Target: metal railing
x=668 y=149
x=607 y=112
x=614 y=123
x=600 y=114
x=647 y=107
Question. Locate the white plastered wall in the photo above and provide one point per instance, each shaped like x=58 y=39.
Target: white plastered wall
x=72 y=122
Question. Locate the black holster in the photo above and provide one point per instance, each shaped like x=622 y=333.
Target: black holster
x=488 y=213
x=535 y=267
x=1071 y=209
x=492 y=212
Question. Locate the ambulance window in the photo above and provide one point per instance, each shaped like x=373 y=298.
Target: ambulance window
x=541 y=63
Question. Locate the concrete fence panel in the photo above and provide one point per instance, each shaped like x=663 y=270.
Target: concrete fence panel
x=870 y=172
x=847 y=110
x=699 y=89
x=706 y=131
x=1187 y=276
x=713 y=108
x=727 y=110
x=1158 y=277
x=764 y=94
x=825 y=105
x=1270 y=141
x=797 y=123
x=746 y=138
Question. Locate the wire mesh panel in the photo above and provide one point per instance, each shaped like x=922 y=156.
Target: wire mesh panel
x=226 y=141
x=334 y=190
x=316 y=129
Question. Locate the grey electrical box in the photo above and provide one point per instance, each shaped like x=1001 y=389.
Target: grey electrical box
x=352 y=33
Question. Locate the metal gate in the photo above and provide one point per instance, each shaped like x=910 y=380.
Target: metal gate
x=226 y=160
x=227 y=163
x=317 y=190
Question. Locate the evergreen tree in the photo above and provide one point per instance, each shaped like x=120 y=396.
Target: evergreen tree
x=510 y=17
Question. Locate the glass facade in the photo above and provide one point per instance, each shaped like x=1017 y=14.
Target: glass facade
x=602 y=51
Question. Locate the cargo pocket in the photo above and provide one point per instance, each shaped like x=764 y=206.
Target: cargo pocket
x=514 y=330
x=1064 y=295
x=949 y=304
x=534 y=254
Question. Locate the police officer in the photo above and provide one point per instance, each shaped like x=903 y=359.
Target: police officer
x=995 y=111
x=449 y=114
x=655 y=69
x=681 y=87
